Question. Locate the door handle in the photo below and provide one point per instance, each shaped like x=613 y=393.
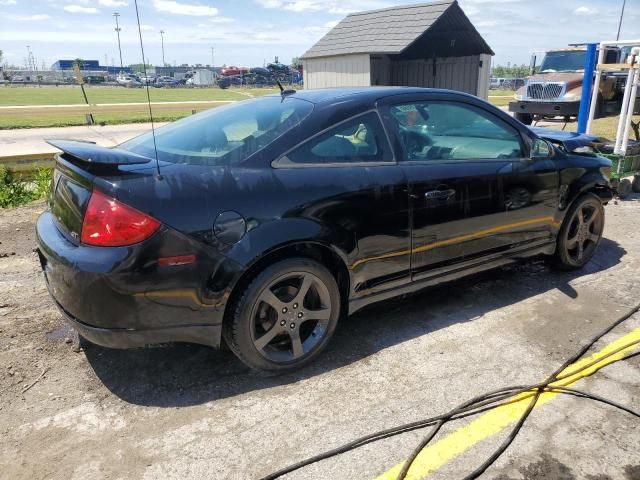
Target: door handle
x=440 y=194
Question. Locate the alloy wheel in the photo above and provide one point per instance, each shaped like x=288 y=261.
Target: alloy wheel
x=584 y=232
x=290 y=317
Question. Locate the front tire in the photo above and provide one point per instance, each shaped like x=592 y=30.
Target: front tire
x=580 y=233
x=625 y=188
x=285 y=317
x=525 y=118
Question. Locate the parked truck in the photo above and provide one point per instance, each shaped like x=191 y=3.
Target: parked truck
x=200 y=78
x=554 y=88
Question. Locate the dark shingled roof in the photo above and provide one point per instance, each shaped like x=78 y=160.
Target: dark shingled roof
x=392 y=30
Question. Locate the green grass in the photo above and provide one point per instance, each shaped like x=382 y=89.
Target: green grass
x=16 y=190
x=608 y=126
x=66 y=95
x=70 y=95
x=500 y=101
x=501 y=93
x=501 y=98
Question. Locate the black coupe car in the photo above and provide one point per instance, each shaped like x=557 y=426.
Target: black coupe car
x=262 y=223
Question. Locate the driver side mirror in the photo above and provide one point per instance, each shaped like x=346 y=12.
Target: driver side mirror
x=540 y=149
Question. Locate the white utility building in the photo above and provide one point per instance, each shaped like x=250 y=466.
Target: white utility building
x=424 y=45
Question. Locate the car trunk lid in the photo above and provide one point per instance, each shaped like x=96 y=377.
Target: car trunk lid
x=75 y=173
x=92 y=156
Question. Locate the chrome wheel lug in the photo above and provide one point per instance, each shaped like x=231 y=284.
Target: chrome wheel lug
x=300 y=314
x=293 y=325
x=283 y=323
x=284 y=310
x=295 y=305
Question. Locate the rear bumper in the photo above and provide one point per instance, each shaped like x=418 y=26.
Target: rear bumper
x=120 y=297
x=545 y=108
x=130 y=338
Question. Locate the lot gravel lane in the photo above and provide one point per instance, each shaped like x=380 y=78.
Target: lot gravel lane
x=191 y=412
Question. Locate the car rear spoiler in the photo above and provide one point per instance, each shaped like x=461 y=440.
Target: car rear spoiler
x=90 y=153
x=570 y=141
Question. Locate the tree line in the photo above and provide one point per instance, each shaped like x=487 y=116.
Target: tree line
x=510 y=71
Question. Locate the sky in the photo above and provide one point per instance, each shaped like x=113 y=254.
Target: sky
x=250 y=32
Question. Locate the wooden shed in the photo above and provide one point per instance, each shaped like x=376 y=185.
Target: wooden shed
x=423 y=45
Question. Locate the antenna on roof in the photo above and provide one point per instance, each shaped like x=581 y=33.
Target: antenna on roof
x=146 y=82
x=284 y=92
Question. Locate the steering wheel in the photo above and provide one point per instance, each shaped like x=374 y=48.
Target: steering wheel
x=414 y=142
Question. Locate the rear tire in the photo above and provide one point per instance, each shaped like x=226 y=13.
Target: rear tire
x=580 y=233
x=635 y=185
x=525 y=118
x=285 y=317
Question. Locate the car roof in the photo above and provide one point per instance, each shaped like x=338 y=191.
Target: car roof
x=363 y=94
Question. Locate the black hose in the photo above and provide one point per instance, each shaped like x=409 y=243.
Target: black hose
x=484 y=403
x=552 y=378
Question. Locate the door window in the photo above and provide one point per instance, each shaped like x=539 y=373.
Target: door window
x=435 y=131
x=361 y=139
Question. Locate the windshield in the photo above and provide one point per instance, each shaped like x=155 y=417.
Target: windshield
x=224 y=135
x=563 y=61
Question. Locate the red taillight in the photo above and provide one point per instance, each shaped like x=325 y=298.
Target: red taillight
x=109 y=223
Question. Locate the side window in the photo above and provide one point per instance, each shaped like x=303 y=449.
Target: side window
x=361 y=139
x=453 y=131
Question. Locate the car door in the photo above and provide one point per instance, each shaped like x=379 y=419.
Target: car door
x=530 y=195
x=453 y=154
x=347 y=178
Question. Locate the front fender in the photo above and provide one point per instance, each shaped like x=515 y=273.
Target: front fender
x=594 y=182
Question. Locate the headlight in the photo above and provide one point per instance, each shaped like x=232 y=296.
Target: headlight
x=572 y=97
x=584 y=149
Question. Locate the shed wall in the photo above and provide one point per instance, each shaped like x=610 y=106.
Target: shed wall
x=484 y=77
x=337 y=71
x=454 y=73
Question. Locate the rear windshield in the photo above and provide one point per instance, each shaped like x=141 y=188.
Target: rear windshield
x=224 y=135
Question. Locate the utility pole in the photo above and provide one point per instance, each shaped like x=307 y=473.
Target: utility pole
x=116 y=15
x=31 y=60
x=624 y=2
x=213 y=58
x=162 y=40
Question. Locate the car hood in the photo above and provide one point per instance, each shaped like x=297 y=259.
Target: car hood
x=570 y=141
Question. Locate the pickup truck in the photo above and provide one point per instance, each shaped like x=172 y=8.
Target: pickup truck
x=554 y=88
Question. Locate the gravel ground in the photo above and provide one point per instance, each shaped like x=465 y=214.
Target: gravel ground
x=191 y=412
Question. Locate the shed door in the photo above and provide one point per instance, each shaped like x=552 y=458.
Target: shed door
x=453 y=73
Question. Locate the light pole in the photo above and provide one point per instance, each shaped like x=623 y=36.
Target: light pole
x=213 y=63
x=162 y=40
x=624 y=2
x=116 y=15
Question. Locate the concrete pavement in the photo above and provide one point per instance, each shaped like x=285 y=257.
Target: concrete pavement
x=185 y=411
x=31 y=141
